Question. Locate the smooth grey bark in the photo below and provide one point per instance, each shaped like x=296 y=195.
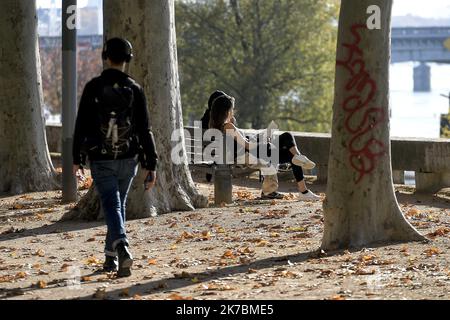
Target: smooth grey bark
x=360 y=207
x=25 y=164
x=150 y=27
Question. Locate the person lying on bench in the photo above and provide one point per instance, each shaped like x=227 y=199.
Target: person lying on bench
x=222 y=113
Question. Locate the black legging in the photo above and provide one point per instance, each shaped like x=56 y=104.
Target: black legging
x=285 y=142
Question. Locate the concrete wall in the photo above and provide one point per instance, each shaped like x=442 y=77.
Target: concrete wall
x=428 y=158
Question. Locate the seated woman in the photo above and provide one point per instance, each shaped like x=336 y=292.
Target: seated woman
x=221 y=118
x=206 y=116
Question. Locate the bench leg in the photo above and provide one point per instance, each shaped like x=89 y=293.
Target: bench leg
x=223 y=187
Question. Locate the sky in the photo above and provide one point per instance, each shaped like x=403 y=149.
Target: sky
x=47 y=3
x=427 y=9
x=432 y=8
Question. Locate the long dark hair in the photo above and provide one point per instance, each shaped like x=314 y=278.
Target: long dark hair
x=214 y=96
x=220 y=110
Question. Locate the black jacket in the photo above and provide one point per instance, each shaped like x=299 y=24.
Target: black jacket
x=88 y=122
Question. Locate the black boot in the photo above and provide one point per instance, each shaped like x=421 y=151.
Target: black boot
x=125 y=260
x=273 y=196
x=110 y=264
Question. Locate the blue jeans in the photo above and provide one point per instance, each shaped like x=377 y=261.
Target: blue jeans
x=112 y=179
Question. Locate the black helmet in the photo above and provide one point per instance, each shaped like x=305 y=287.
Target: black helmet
x=118 y=50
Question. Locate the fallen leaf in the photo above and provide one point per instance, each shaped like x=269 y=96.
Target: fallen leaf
x=206 y=235
x=124 y=293
x=364 y=272
x=220 y=230
x=214 y=287
x=21 y=275
x=100 y=293
x=40 y=253
x=413 y=212
x=176 y=296
x=244 y=195
x=432 y=252
x=93 y=261
x=228 y=255
x=152 y=262
x=65 y=267
x=187 y=235
x=274 y=235
x=326 y=273
x=440 y=232
x=41 y=284
x=183 y=275
x=262 y=243
x=7 y=278
x=297 y=229
x=338 y=297
x=86 y=184
x=289 y=196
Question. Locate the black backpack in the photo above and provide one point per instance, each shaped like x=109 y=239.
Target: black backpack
x=115 y=109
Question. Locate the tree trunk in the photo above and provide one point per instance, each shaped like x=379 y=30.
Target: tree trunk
x=25 y=164
x=150 y=27
x=360 y=208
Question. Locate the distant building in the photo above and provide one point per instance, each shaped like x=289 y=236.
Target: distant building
x=91 y=20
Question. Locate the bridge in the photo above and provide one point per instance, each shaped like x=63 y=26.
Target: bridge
x=425 y=44
x=421 y=44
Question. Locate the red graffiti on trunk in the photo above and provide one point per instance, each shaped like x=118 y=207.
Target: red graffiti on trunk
x=361 y=118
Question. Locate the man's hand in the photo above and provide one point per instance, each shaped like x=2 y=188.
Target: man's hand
x=78 y=172
x=150 y=180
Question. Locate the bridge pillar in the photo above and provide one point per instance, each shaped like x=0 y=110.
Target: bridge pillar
x=422 y=78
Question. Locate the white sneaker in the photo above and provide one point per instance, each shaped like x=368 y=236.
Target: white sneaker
x=304 y=162
x=310 y=196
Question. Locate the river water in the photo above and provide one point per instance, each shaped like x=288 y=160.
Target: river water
x=418 y=114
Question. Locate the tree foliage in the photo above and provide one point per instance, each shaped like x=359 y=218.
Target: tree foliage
x=276 y=57
x=445 y=126
x=89 y=65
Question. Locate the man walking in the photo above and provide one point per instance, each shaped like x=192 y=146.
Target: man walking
x=113 y=131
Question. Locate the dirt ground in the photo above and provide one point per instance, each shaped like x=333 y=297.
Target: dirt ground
x=252 y=249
